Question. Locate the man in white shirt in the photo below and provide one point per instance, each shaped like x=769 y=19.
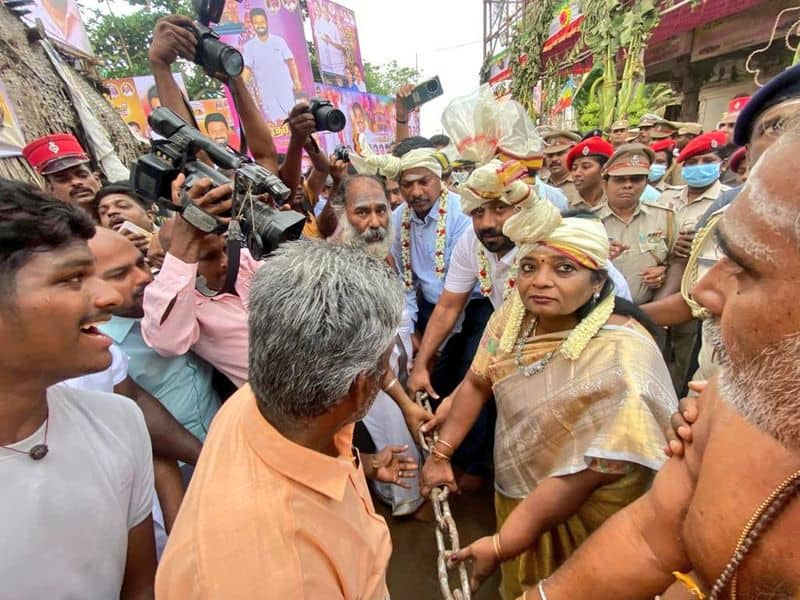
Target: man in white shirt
x=270 y=62
x=332 y=59
x=76 y=465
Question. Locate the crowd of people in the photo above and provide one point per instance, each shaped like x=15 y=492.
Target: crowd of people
x=181 y=418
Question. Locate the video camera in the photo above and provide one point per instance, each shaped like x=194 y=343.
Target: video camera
x=213 y=55
x=261 y=226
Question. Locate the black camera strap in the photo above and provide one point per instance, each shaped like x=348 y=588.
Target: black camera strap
x=234 y=249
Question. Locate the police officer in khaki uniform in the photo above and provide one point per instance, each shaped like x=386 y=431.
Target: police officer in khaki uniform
x=618 y=134
x=641 y=231
x=557 y=144
x=700 y=166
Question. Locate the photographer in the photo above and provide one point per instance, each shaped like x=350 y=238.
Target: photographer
x=171 y=40
x=306 y=190
x=178 y=317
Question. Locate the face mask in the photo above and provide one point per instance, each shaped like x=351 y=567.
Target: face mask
x=700 y=176
x=657 y=171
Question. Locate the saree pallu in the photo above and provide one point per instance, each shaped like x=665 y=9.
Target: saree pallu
x=611 y=405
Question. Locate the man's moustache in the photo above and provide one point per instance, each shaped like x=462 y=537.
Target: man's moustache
x=483 y=233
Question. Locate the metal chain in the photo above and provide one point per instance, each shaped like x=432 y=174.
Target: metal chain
x=445 y=525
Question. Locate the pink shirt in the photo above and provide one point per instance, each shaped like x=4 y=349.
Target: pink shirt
x=213 y=328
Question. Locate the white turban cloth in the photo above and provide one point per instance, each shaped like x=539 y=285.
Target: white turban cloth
x=391 y=166
x=494 y=181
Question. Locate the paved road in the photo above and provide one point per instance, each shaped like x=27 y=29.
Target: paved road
x=412 y=570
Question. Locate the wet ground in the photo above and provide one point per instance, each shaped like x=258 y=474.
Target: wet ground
x=412 y=570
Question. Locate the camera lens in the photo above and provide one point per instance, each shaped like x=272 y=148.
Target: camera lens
x=329 y=118
x=231 y=62
x=220 y=58
x=432 y=86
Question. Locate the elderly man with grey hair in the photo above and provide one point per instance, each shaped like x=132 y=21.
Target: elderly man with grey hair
x=279 y=503
x=364 y=217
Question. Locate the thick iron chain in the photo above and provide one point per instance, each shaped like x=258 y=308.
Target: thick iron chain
x=446 y=530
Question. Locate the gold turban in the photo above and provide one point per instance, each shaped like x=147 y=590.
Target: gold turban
x=539 y=222
x=584 y=240
x=494 y=181
x=391 y=166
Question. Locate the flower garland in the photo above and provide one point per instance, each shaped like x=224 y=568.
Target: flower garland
x=441 y=240
x=486 y=282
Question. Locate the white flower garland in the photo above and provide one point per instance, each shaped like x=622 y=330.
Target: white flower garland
x=441 y=240
x=485 y=280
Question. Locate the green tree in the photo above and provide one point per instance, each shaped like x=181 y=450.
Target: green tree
x=385 y=79
x=122 y=42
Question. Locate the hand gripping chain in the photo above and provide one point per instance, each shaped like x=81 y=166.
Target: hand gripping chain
x=445 y=525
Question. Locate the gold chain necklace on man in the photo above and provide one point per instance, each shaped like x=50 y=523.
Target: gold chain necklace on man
x=762 y=518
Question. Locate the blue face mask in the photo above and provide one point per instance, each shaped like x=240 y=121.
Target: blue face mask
x=656 y=172
x=700 y=176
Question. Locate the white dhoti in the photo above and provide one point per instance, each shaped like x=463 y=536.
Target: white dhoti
x=387 y=427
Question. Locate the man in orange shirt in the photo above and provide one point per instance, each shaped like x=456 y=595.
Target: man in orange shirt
x=278 y=506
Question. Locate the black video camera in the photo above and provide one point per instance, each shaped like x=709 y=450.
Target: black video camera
x=213 y=55
x=326 y=116
x=261 y=226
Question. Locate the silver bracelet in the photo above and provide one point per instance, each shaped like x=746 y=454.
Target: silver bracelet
x=540 y=589
x=391 y=384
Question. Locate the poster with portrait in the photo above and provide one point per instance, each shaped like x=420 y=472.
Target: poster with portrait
x=214 y=120
x=269 y=34
x=370 y=120
x=62 y=22
x=11 y=139
x=336 y=40
x=134 y=98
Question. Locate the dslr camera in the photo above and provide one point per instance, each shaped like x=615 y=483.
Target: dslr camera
x=216 y=57
x=254 y=222
x=326 y=116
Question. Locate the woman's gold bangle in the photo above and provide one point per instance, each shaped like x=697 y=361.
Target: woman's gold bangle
x=498 y=549
x=391 y=384
x=446 y=444
x=441 y=456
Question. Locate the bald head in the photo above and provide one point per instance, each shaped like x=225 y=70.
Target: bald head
x=119 y=263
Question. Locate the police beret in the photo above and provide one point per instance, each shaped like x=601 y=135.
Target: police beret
x=703 y=144
x=593 y=146
x=663 y=145
x=779 y=88
x=736 y=159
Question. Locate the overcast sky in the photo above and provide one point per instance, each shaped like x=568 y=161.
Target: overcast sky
x=443 y=37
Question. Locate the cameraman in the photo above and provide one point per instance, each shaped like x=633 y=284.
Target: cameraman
x=307 y=190
x=178 y=318
x=171 y=40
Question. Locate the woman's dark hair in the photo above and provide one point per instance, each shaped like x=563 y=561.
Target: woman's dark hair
x=622 y=307
x=32 y=221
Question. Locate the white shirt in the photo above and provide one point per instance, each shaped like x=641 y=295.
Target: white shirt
x=267 y=61
x=64 y=520
x=464 y=270
x=103 y=381
x=331 y=58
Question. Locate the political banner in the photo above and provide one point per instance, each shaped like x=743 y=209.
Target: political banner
x=11 y=138
x=134 y=98
x=62 y=22
x=336 y=39
x=370 y=120
x=215 y=120
x=269 y=34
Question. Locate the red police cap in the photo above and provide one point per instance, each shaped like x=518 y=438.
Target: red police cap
x=663 y=145
x=53 y=153
x=593 y=146
x=703 y=144
x=737 y=104
x=736 y=159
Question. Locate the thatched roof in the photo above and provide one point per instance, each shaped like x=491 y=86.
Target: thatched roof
x=42 y=106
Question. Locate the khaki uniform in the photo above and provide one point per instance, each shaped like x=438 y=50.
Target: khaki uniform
x=687 y=214
x=649 y=235
x=673 y=175
x=570 y=191
x=705 y=254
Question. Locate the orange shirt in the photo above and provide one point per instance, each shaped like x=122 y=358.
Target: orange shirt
x=267 y=518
